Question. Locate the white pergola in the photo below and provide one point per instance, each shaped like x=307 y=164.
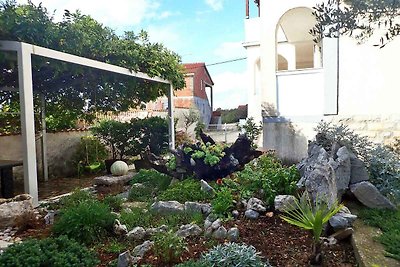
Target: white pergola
x=24 y=53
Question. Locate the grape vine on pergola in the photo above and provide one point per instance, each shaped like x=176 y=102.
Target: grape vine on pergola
x=25 y=87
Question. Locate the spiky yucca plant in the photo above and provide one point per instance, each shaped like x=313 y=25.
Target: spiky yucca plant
x=311 y=215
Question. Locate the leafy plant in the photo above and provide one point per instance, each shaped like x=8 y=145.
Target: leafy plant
x=222 y=204
x=186 y=190
x=311 y=216
x=113 y=202
x=190 y=118
x=90 y=151
x=152 y=181
x=86 y=222
x=57 y=252
x=210 y=153
x=252 y=130
x=233 y=254
x=266 y=173
x=76 y=197
x=193 y=263
x=168 y=247
x=389 y=222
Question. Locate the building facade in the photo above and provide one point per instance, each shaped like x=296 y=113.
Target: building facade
x=294 y=83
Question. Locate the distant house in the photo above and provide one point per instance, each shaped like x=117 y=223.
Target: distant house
x=198 y=93
x=293 y=83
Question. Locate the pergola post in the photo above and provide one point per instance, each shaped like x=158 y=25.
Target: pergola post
x=171 y=117
x=27 y=120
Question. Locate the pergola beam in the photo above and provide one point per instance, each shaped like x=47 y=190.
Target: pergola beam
x=25 y=52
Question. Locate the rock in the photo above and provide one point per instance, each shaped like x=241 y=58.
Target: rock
x=358 y=172
x=4 y=245
x=109 y=180
x=342 y=168
x=140 y=250
x=189 y=230
x=167 y=207
x=197 y=207
x=119 y=229
x=251 y=214
x=235 y=214
x=369 y=195
x=342 y=220
x=13 y=208
x=319 y=178
x=124 y=195
x=345 y=209
x=208 y=232
x=233 y=234
x=134 y=204
x=207 y=224
x=212 y=217
x=49 y=217
x=124 y=259
x=343 y=234
x=220 y=233
x=329 y=241
x=284 y=202
x=137 y=233
x=152 y=231
x=256 y=205
x=206 y=187
x=216 y=224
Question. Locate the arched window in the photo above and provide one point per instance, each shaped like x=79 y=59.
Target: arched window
x=295 y=45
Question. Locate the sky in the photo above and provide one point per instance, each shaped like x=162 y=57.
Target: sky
x=209 y=31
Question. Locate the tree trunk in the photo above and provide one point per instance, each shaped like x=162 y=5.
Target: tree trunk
x=235 y=158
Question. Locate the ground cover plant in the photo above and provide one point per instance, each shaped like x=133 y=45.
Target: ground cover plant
x=57 y=252
x=151 y=184
x=389 y=222
x=186 y=190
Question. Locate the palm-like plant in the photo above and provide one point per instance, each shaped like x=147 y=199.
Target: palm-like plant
x=311 y=215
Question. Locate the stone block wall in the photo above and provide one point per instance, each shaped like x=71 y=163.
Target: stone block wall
x=61 y=147
x=289 y=137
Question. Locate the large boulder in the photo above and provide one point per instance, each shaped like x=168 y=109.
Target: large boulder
x=342 y=220
x=11 y=209
x=285 y=202
x=359 y=172
x=167 y=207
x=369 y=195
x=194 y=207
x=342 y=168
x=109 y=180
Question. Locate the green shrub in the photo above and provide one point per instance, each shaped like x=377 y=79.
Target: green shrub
x=186 y=190
x=267 y=173
x=252 y=130
x=114 y=202
x=153 y=183
x=144 y=218
x=168 y=247
x=233 y=254
x=222 y=204
x=77 y=196
x=192 y=263
x=90 y=151
x=86 y=222
x=55 y=252
x=389 y=222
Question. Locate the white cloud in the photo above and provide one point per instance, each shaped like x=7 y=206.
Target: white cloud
x=230 y=89
x=166 y=34
x=229 y=50
x=215 y=4
x=115 y=13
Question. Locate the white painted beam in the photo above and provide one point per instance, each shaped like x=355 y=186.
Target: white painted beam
x=27 y=121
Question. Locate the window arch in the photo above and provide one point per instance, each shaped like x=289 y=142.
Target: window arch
x=294 y=43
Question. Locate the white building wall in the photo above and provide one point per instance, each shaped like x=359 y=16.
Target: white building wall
x=361 y=89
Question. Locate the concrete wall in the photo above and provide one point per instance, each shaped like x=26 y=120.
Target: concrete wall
x=61 y=148
x=224 y=133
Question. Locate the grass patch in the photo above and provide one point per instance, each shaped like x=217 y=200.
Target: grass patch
x=152 y=183
x=389 y=222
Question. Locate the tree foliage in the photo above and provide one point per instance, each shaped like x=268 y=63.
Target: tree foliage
x=76 y=88
x=359 y=19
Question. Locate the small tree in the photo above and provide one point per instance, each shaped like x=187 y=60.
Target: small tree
x=190 y=118
x=252 y=130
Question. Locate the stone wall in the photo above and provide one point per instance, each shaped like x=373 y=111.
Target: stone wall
x=60 y=150
x=289 y=136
